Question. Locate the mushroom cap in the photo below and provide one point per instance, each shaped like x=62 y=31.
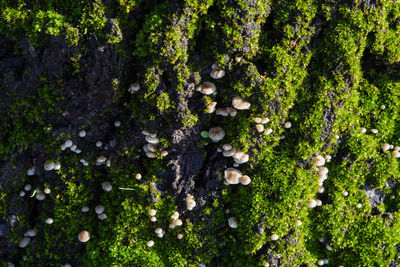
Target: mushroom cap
x=211 y=107
x=101 y=159
x=24 y=242
x=99 y=209
x=152 y=140
x=227 y=147
x=260 y=128
x=274 y=237
x=232 y=175
x=229 y=153
x=298 y=223
x=242 y=159
x=134 y=87
x=232 y=111
x=217 y=73
x=151 y=147
x=102 y=216
x=30 y=171
x=216 y=134
x=151 y=155
x=287 y=125
x=49 y=165
x=268 y=131
x=239 y=103
x=47 y=190
x=84 y=236
x=68 y=143
x=311 y=203
x=31 y=233
x=138 y=176
x=222 y=111
x=179 y=236
x=153 y=219
x=208 y=88
x=385 y=146
x=106 y=186
x=85 y=209
x=178 y=222
x=49 y=220
x=232 y=222
x=152 y=212
x=190 y=204
x=99 y=143
x=319 y=161
x=40 y=196
x=27 y=187
x=257 y=120
x=264 y=120
x=175 y=215
x=82 y=133
x=245 y=180
x=150 y=243
x=322 y=171
x=396 y=153
x=117 y=123
x=158 y=231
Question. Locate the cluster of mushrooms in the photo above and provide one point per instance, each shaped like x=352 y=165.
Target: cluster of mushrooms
x=152 y=146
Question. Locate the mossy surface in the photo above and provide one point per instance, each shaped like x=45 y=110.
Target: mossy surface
x=331 y=68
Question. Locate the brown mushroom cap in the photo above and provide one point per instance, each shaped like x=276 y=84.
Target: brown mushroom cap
x=245 y=180
x=208 y=88
x=84 y=236
x=232 y=175
x=216 y=133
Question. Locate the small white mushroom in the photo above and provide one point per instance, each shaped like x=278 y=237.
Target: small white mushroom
x=82 y=133
x=359 y=205
x=375 y=131
x=22 y=194
x=150 y=243
x=385 y=146
x=217 y=73
x=151 y=155
x=85 y=209
x=40 y=196
x=153 y=219
x=175 y=215
x=363 y=130
x=152 y=212
x=229 y=153
x=24 y=242
x=211 y=107
x=298 y=223
x=179 y=236
x=222 y=112
x=101 y=159
x=49 y=220
x=133 y=88
x=287 y=125
x=345 y=193
x=31 y=233
x=138 y=176
x=99 y=144
x=30 y=171
x=102 y=216
x=106 y=186
x=319 y=161
x=260 y=128
x=152 y=140
x=68 y=143
x=274 y=237
x=320 y=262
x=208 y=88
x=396 y=153
x=117 y=123
x=27 y=187
x=232 y=222
x=232 y=175
x=99 y=209
x=47 y=190
x=268 y=131
x=311 y=203
x=49 y=165
x=245 y=180
x=216 y=134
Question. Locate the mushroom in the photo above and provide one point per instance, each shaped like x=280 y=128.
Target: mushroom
x=345 y=193
x=243 y=158
x=311 y=203
x=264 y=120
x=106 y=186
x=232 y=175
x=138 y=176
x=260 y=128
x=47 y=190
x=85 y=209
x=232 y=111
x=229 y=153
x=245 y=180
x=153 y=219
x=152 y=140
x=102 y=216
x=359 y=205
x=22 y=194
x=268 y=131
x=375 y=131
x=211 y=107
x=175 y=215
x=385 y=146
x=320 y=262
x=216 y=134
x=49 y=165
x=208 y=88
x=222 y=111
x=117 y=123
x=31 y=233
x=84 y=236
x=150 y=243
x=27 y=187
x=396 y=153
x=322 y=171
x=99 y=209
x=158 y=231
x=152 y=212
x=68 y=143
x=101 y=159
x=363 y=130
x=217 y=73
x=151 y=155
x=30 y=171
x=257 y=120
x=239 y=103
x=321 y=190
x=274 y=237
x=133 y=88
x=24 y=242
x=82 y=133
x=232 y=222
x=298 y=223
x=99 y=143
x=287 y=125
x=179 y=236
x=319 y=161
x=40 y=196
x=49 y=220
x=190 y=203
x=227 y=147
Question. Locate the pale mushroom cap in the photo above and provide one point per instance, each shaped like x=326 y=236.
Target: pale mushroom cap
x=30 y=171
x=178 y=222
x=31 y=233
x=319 y=202
x=211 y=107
x=164 y=153
x=151 y=155
x=24 y=242
x=274 y=237
x=68 y=143
x=321 y=190
x=27 y=187
x=99 y=144
x=239 y=103
x=287 y=125
x=311 y=203
x=260 y=128
x=222 y=112
x=319 y=161
x=85 y=209
x=242 y=159
x=232 y=222
x=190 y=204
x=298 y=223
x=396 y=153
x=117 y=123
x=158 y=231
x=153 y=219
x=22 y=194
x=40 y=196
x=49 y=220
x=320 y=262
x=245 y=180
x=101 y=159
x=375 y=131
x=138 y=176
x=322 y=171
x=345 y=193
x=49 y=165
x=73 y=148
x=151 y=147
x=84 y=236
x=229 y=153
x=232 y=175
x=175 y=215
x=208 y=88
x=359 y=205
x=264 y=120
x=47 y=190
x=385 y=146
x=217 y=73
x=232 y=111
x=363 y=130
x=99 y=209
x=102 y=216
x=82 y=133
x=257 y=120
x=134 y=87
x=106 y=186
x=179 y=236
x=152 y=212
x=227 y=147
x=152 y=140
x=150 y=243
x=216 y=133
